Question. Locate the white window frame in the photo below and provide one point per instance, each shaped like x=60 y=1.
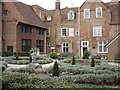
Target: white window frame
x=40 y=14
x=62 y=32
x=97 y=12
x=103 y=45
x=71 y=17
x=49 y=18
x=65 y=47
x=97 y=30
x=83 y=45
x=71 y=32
x=85 y=13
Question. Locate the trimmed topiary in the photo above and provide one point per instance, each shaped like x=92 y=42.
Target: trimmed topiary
x=30 y=58
x=53 y=55
x=86 y=54
x=55 y=69
x=73 y=60
x=92 y=62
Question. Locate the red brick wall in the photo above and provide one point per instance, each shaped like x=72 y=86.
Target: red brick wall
x=86 y=29
x=33 y=36
x=114 y=49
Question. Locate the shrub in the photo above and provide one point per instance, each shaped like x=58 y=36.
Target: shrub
x=53 y=55
x=86 y=54
x=55 y=69
x=33 y=50
x=16 y=57
x=73 y=60
x=92 y=62
x=22 y=53
x=3 y=67
x=43 y=61
x=7 y=53
x=63 y=55
x=30 y=59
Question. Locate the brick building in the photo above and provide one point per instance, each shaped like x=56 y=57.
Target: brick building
x=22 y=28
x=66 y=30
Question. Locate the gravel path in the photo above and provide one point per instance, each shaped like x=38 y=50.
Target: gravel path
x=20 y=66
x=116 y=64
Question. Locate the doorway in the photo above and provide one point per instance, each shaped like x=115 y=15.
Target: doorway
x=84 y=47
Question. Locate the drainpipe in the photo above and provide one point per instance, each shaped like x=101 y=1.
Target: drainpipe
x=0 y=26
x=79 y=53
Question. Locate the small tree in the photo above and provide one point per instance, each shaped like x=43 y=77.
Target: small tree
x=73 y=60
x=53 y=55
x=86 y=54
x=55 y=69
x=92 y=62
x=30 y=58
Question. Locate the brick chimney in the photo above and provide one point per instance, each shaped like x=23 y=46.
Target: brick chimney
x=57 y=4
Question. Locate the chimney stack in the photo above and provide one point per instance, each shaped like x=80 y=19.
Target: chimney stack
x=57 y=4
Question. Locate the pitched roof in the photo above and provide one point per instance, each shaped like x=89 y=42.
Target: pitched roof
x=24 y=13
x=115 y=9
x=115 y=38
x=63 y=12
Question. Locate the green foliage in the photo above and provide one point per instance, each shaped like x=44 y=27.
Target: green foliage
x=86 y=54
x=30 y=58
x=53 y=55
x=92 y=62
x=43 y=61
x=22 y=53
x=33 y=50
x=3 y=65
x=63 y=55
x=55 y=69
x=7 y=53
x=17 y=57
x=19 y=62
x=73 y=60
x=15 y=81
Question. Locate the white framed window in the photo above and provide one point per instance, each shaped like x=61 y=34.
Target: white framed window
x=85 y=43
x=77 y=33
x=71 y=32
x=65 y=47
x=86 y=13
x=97 y=30
x=101 y=47
x=49 y=18
x=40 y=14
x=63 y=32
x=71 y=15
x=98 y=12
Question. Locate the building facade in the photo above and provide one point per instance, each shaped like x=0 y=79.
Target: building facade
x=22 y=28
x=67 y=30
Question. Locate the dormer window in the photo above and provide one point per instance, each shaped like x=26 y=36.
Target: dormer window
x=40 y=14
x=71 y=15
x=49 y=18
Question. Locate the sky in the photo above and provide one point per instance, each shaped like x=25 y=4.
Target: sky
x=50 y=4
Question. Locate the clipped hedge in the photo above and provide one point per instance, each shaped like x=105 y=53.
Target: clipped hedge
x=15 y=81
x=6 y=53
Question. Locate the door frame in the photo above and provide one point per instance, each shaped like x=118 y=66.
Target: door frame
x=84 y=44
